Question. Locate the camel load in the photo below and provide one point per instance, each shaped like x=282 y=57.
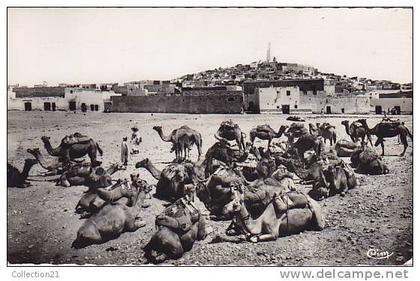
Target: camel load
x=287 y=213
x=230 y=131
x=75 y=138
x=178 y=227
x=111 y=221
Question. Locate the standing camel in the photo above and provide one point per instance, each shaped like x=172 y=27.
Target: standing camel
x=265 y=132
x=388 y=130
x=356 y=131
x=229 y=131
x=182 y=139
x=327 y=132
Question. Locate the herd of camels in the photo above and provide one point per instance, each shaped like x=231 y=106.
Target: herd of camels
x=254 y=187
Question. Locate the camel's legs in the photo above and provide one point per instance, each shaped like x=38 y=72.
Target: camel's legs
x=404 y=142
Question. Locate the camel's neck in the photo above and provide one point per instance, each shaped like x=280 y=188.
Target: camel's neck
x=346 y=125
x=199 y=168
x=41 y=160
x=50 y=150
x=245 y=221
x=26 y=170
x=112 y=169
x=153 y=170
x=163 y=137
x=280 y=132
x=136 y=208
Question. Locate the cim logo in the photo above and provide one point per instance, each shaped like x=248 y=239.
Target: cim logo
x=378 y=255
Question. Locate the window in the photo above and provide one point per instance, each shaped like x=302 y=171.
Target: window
x=342 y=110
x=278 y=92
x=287 y=93
x=295 y=105
x=315 y=93
x=278 y=107
x=71 y=91
x=304 y=92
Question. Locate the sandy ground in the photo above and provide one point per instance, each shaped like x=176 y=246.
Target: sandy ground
x=42 y=223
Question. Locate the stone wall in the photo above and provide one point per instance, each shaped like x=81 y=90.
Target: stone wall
x=179 y=104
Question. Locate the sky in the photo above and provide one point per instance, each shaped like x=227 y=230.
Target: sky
x=75 y=45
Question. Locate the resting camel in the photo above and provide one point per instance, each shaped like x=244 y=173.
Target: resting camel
x=367 y=161
x=221 y=151
x=178 y=227
x=345 y=148
x=327 y=132
x=229 y=131
x=356 y=131
x=388 y=130
x=67 y=152
x=96 y=198
x=215 y=191
x=51 y=164
x=182 y=140
x=265 y=132
x=112 y=220
x=18 y=179
x=288 y=213
x=85 y=174
x=175 y=180
x=339 y=178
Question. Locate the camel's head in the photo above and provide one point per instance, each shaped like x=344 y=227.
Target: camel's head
x=33 y=151
x=30 y=161
x=143 y=163
x=345 y=122
x=236 y=199
x=157 y=128
x=45 y=139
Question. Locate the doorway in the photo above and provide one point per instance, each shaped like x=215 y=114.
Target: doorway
x=72 y=106
x=53 y=106
x=47 y=106
x=96 y=107
x=28 y=106
x=285 y=109
x=328 y=108
x=378 y=109
x=398 y=109
x=83 y=107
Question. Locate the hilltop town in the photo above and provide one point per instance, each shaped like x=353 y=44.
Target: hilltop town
x=263 y=86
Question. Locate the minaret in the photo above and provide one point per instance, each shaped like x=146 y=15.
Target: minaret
x=268 y=52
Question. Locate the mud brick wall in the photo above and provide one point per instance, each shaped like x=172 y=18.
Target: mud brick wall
x=179 y=104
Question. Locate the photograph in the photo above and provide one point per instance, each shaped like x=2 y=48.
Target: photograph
x=209 y=136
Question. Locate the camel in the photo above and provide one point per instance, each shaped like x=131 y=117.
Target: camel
x=295 y=131
x=67 y=152
x=313 y=130
x=85 y=174
x=111 y=221
x=178 y=227
x=311 y=174
x=388 y=130
x=175 y=180
x=229 y=131
x=367 y=161
x=95 y=198
x=265 y=132
x=182 y=139
x=339 y=179
x=345 y=148
x=220 y=151
x=289 y=213
x=356 y=131
x=16 y=178
x=51 y=164
x=215 y=191
x=327 y=132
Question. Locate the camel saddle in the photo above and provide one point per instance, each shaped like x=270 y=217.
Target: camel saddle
x=290 y=200
x=390 y=122
x=75 y=138
x=179 y=217
x=264 y=128
x=228 y=125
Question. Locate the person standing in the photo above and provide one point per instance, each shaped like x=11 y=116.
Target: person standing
x=124 y=152
x=135 y=140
